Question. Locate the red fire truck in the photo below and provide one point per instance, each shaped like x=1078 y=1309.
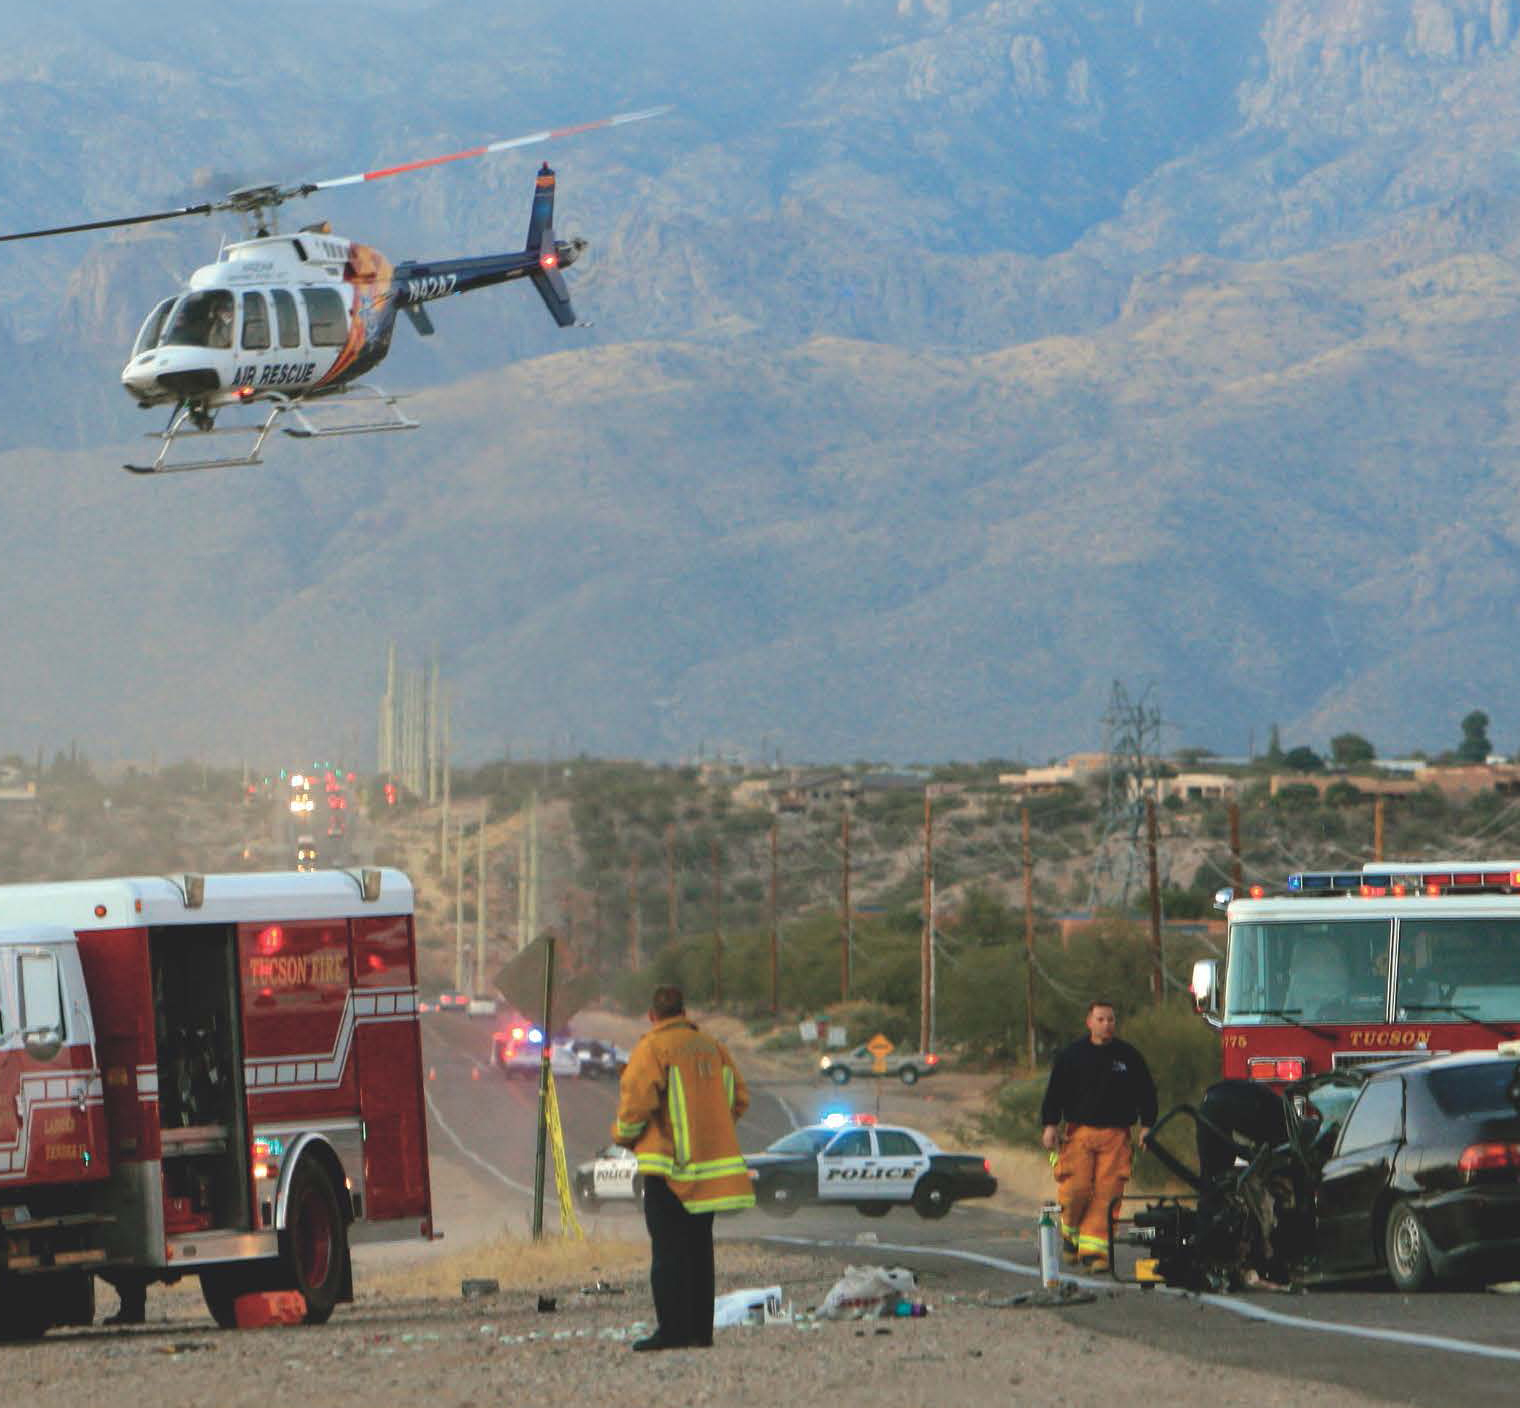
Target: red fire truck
x=212 y=1075
x=1355 y=966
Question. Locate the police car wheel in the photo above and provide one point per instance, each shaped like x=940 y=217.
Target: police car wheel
x=583 y=1194
x=873 y=1209
x=839 y=1075
x=908 y=1075
x=780 y=1199
x=931 y=1199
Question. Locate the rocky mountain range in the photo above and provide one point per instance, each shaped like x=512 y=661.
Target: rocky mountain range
x=951 y=360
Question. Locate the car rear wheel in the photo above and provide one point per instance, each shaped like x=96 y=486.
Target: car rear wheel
x=1408 y=1256
x=584 y=1196
x=931 y=1199
x=780 y=1199
x=839 y=1075
x=908 y=1075
x=873 y=1209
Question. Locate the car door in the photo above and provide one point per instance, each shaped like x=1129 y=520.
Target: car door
x=901 y=1161
x=846 y=1165
x=1356 y=1176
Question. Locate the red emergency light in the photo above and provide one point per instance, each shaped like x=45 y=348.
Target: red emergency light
x=1276 y=1067
x=271 y=940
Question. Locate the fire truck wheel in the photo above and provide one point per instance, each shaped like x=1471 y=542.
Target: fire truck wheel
x=222 y=1285
x=314 y=1244
x=24 y=1315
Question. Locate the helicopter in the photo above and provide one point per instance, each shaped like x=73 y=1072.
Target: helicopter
x=288 y=321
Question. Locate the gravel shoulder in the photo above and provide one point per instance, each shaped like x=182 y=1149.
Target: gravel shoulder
x=467 y=1353
x=411 y=1332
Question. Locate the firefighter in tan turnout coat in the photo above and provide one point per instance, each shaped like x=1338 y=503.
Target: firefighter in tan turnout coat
x=680 y=1096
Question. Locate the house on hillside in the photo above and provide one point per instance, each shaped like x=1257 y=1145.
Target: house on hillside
x=1077 y=768
x=1198 y=787
x=1368 y=784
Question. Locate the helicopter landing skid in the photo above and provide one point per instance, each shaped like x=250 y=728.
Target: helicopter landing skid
x=183 y=427
x=392 y=417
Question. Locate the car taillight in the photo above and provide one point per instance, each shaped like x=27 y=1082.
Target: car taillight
x=931 y=1059
x=1276 y=1067
x=1486 y=1158
x=986 y=1165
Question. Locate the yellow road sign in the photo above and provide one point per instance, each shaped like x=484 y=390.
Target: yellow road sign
x=880 y=1048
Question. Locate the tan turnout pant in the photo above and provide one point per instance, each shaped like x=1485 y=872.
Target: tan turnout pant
x=1091 y=1171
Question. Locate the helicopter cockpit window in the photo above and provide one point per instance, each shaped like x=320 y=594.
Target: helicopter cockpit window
x=285 y=315
x=153 y=326
x=327 y=316
x=203 y=319
x=255 y=322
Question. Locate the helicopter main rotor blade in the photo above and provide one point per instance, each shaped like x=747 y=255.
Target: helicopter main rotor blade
x=488 y=149
x=204 y=209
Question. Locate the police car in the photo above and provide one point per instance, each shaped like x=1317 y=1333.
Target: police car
x=612 y=1176
x=854 y=1161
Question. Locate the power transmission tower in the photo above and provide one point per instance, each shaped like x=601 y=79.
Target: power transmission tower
x=1132 y=749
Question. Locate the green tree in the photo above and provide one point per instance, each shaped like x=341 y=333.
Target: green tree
x=1474 y=747
x=1351 y=750
x=1274 y=746
x=1303 y=759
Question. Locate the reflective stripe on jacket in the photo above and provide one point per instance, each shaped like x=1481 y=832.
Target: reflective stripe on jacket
x=678 y=1101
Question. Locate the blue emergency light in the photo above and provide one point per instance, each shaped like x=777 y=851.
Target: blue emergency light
x=1336 y=882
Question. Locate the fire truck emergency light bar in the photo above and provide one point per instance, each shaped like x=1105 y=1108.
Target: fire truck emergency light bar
x=1429 y=878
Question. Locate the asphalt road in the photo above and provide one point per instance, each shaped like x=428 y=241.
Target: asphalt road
x=1435 y=1348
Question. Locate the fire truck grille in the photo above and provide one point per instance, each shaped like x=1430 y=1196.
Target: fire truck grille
x=1340 y=1060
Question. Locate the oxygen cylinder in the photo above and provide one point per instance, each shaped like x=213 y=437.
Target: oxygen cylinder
x=1050 y=1245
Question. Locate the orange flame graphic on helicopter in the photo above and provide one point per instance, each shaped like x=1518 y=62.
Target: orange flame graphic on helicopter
x=372 y=278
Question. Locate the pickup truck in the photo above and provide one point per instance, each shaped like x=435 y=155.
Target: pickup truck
x=907 y=1066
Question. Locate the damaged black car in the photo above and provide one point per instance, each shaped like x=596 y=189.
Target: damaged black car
x=1408 y=1169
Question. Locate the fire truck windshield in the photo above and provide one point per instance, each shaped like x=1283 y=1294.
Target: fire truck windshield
x=1326 y=971
x=1454 y=970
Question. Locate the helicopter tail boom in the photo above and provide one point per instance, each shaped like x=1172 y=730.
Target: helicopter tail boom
x=541 y=261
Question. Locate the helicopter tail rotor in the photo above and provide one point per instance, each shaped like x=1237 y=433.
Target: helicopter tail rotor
x=552 y=254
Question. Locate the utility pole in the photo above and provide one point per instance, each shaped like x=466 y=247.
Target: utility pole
x=1028 y=940
x=480 y=911
x=443 y=825
x=846 y=925
x=775 y=930
x=1158 y=982
x=545 y=1049
x=1377 y=829
x=459 y=911
x=533 y=920
x=633 y=910
x=431 y=747
x=926 y=955
x=673 y=914
x=717 y=868
x=1237 y=873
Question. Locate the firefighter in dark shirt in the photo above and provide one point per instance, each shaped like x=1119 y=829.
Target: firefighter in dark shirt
x=1099 y=1087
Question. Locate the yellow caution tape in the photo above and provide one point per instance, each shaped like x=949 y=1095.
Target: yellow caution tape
x=569 y=1226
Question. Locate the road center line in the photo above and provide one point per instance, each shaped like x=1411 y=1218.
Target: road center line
x=1234 y=1307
